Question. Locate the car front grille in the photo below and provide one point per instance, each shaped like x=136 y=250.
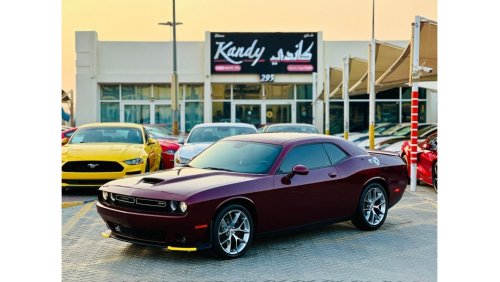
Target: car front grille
x=92 y=166
x=146 y=234
x=142 y=204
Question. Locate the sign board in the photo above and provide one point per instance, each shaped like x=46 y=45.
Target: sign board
x=263 y=53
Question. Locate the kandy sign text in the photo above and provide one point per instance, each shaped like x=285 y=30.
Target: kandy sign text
x=263 y=53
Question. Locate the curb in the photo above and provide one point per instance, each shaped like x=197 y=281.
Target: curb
x=72 y=204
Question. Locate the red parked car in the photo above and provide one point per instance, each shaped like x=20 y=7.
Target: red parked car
x=68 y=132
x=427 y=159
x=247 y=185
x=169 y=143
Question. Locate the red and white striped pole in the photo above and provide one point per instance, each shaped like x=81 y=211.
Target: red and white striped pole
x=414 y=136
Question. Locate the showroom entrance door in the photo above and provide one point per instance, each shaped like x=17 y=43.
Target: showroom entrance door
x=259 y=112
x=146 y=112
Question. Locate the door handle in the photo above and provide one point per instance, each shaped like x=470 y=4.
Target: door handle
x=332 y=174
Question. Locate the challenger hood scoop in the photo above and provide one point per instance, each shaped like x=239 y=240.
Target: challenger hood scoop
x=182 y=181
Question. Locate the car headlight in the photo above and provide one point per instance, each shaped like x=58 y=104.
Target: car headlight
x=135 y=161
x=183 y=206
x=105 y=195
x=169 y=152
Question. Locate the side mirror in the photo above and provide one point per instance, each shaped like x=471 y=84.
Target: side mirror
x=64 y=141
x=180 y=140
x=151 y=141
x=297 y=169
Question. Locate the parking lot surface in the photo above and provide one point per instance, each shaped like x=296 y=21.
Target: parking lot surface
x=403 y=249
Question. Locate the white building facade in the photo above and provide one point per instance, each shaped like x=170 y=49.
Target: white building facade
x=130 y=82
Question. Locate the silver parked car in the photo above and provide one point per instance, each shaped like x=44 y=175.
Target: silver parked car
x=204 y=135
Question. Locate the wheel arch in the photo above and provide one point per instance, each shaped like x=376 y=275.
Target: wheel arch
x=243 y=201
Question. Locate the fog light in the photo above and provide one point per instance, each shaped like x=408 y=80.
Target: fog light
x=105 y=195
x=183 y=207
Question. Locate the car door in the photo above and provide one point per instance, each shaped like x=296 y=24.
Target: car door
x=307 y=198
x=426 y=159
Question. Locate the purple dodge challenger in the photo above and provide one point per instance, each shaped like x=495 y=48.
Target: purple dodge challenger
x=249 y=185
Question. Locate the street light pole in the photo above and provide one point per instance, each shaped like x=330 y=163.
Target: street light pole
x=174 y=85
x=371 y=81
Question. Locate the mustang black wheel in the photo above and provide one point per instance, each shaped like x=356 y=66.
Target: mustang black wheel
x=435 y=176
x=372 y=208
x=232 y=232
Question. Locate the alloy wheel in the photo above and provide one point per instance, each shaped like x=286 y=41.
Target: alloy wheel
x=234 y=232
x=374 y=206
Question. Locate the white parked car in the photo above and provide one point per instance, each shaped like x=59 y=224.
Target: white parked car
x=204 y=135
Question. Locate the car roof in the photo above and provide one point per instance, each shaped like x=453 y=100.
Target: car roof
x=279 y=137
x=111 y=124
x=290 y=124
x=226 y=124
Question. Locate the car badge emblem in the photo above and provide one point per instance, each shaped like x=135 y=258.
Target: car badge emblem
x=92 y=165
x=374 y=161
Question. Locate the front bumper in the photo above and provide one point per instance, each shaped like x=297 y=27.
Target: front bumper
x=153 y=229
x=93 y=179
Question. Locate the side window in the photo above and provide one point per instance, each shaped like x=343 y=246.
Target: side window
x=313 y=156
x=334 y=153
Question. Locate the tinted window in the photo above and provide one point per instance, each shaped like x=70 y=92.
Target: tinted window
x=239 y=156
x=312 y=156
x=334 y=153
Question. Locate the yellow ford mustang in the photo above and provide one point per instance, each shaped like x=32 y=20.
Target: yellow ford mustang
x=100 y=152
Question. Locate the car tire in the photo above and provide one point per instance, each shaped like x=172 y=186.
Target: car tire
x=161 y=166
x=435 y=176
x=372 y=208
x=232 y=232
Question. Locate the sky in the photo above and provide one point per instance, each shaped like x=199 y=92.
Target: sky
x=132 y=20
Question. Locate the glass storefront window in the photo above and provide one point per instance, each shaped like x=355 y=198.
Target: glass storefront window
x=163 y=114
x=386 y=112
x=406 y=111
x=249 y=114
x=110 y=112
x=110 y=92
x=221 y=91
x=194 y=114
x=359 y=97
x=281 y=92
x=358 y=116
x=161 y=92
x=194 y=92
x=336 y=117
x=422 y=93
x=304 y=112
x=137 y=114
x=304 y=91
x=247 y=91
x=278 y=113
x=392 y=93
x=136 y=92
x=221 y=111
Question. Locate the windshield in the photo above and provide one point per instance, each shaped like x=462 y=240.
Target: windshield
x=158 y=131
x=238 y=156
x=292 y=128
x=215 y=133
x=107 y=134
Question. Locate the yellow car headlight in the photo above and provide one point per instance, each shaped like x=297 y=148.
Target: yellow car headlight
x=135 y=161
